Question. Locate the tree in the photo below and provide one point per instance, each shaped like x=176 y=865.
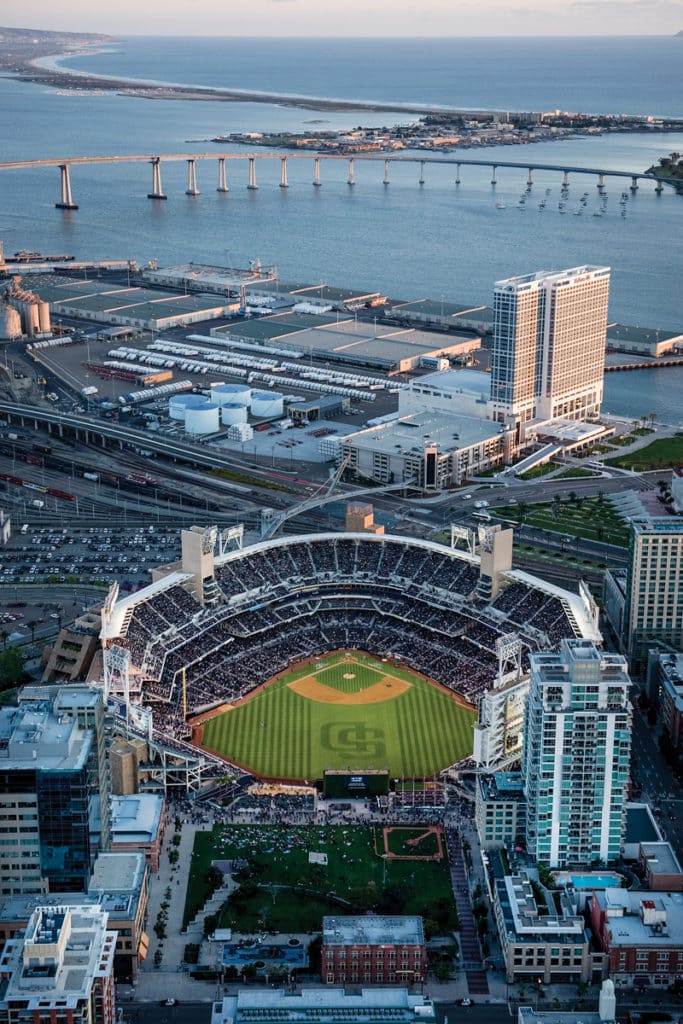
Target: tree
x=11 y=668
x=5 y=637
x=572 y=497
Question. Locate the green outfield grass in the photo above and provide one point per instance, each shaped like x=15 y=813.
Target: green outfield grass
x=284 y=734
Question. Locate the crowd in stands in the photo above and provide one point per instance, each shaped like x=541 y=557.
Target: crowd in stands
x=402 y=600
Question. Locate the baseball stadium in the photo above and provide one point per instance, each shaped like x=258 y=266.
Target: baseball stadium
x=302 y=655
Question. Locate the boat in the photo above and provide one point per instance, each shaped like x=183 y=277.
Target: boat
x=500 y=205
x=597 y=213
x=541 y=205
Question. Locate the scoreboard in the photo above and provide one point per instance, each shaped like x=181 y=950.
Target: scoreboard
x=350 y=785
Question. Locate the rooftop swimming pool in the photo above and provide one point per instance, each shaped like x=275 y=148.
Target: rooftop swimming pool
x=589 y=881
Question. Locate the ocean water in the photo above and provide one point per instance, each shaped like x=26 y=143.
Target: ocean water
x=404 y=239
x=618 y=75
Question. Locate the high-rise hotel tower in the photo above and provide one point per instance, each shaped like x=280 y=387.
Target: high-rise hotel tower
x=549 y=345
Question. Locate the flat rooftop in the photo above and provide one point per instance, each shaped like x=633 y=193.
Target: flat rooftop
x=410 y=434
x=33 y=737
x=455 y=382
x=434 y=308
x=625 y=912
x=371 y=930
x=502 y=786
x=136 y=818
x=661 y=858
x=329 y=1005
x=641 y=335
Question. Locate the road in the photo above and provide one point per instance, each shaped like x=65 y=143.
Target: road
x=660 y=788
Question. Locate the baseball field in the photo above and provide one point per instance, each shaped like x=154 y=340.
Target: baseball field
x=345 y=710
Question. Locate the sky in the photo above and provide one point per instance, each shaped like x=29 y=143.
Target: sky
x=380 y=18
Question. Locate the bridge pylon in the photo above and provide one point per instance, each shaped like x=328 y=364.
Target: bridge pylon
x=191 y=189
x=317 y=183
x=457 y=174
x=385 y=179
x=422 y=173
x=222 y=179
x=634 y=184
x=352 y=180
x=252 y=186
x=157 y=191
x=283 y=173
x=494 y=168
x=66 y=202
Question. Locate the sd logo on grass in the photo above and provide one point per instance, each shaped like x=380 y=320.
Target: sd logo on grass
x=352 y=738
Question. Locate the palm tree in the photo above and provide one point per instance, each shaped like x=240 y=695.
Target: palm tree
x=653 y=417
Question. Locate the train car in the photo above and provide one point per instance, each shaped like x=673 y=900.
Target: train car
x=45 y=448
x=60 y=494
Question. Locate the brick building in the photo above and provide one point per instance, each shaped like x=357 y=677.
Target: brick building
x=373 y=950
x=641 y=934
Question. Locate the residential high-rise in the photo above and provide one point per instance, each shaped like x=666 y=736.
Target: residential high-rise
x=61 y=970
x=577 y=748
x=54 y=790
x=653 y=606
x=549 y=345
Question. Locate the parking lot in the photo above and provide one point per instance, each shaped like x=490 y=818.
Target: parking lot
x=95 y=555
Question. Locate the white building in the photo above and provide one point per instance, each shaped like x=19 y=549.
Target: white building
x=61 y=970
x=549 y=345
x=443 y=434
x=577 y=747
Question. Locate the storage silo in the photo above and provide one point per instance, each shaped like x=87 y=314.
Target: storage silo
x=265 y=404
x=233 y=412
x=44 y=316
x=178 y=403
x=10 y=322
x=202 y=417
x=224 y=394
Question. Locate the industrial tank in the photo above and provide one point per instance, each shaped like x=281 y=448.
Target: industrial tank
x=265 y=404
x=233 y=412
x=202 y=419
x=179 y=403
x=223 y=394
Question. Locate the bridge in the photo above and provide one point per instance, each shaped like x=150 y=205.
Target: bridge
x=67 y=202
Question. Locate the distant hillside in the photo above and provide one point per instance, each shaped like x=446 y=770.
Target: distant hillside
x=35 y=35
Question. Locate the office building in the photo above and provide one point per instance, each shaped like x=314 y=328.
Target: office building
x=653 y=606
x=577 y=746
x=549 y=345
x=373 y=951
x=61 y=970
x=500 y=810
x=54 y=790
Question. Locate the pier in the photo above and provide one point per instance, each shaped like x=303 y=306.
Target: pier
x=651 y=364
x=66 y=201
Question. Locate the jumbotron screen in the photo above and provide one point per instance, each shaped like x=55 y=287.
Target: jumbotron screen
x=349 y=785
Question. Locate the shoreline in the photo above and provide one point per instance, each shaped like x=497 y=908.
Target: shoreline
x=46 y=70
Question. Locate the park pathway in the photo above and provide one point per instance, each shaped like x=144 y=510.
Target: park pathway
x=473 y=965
